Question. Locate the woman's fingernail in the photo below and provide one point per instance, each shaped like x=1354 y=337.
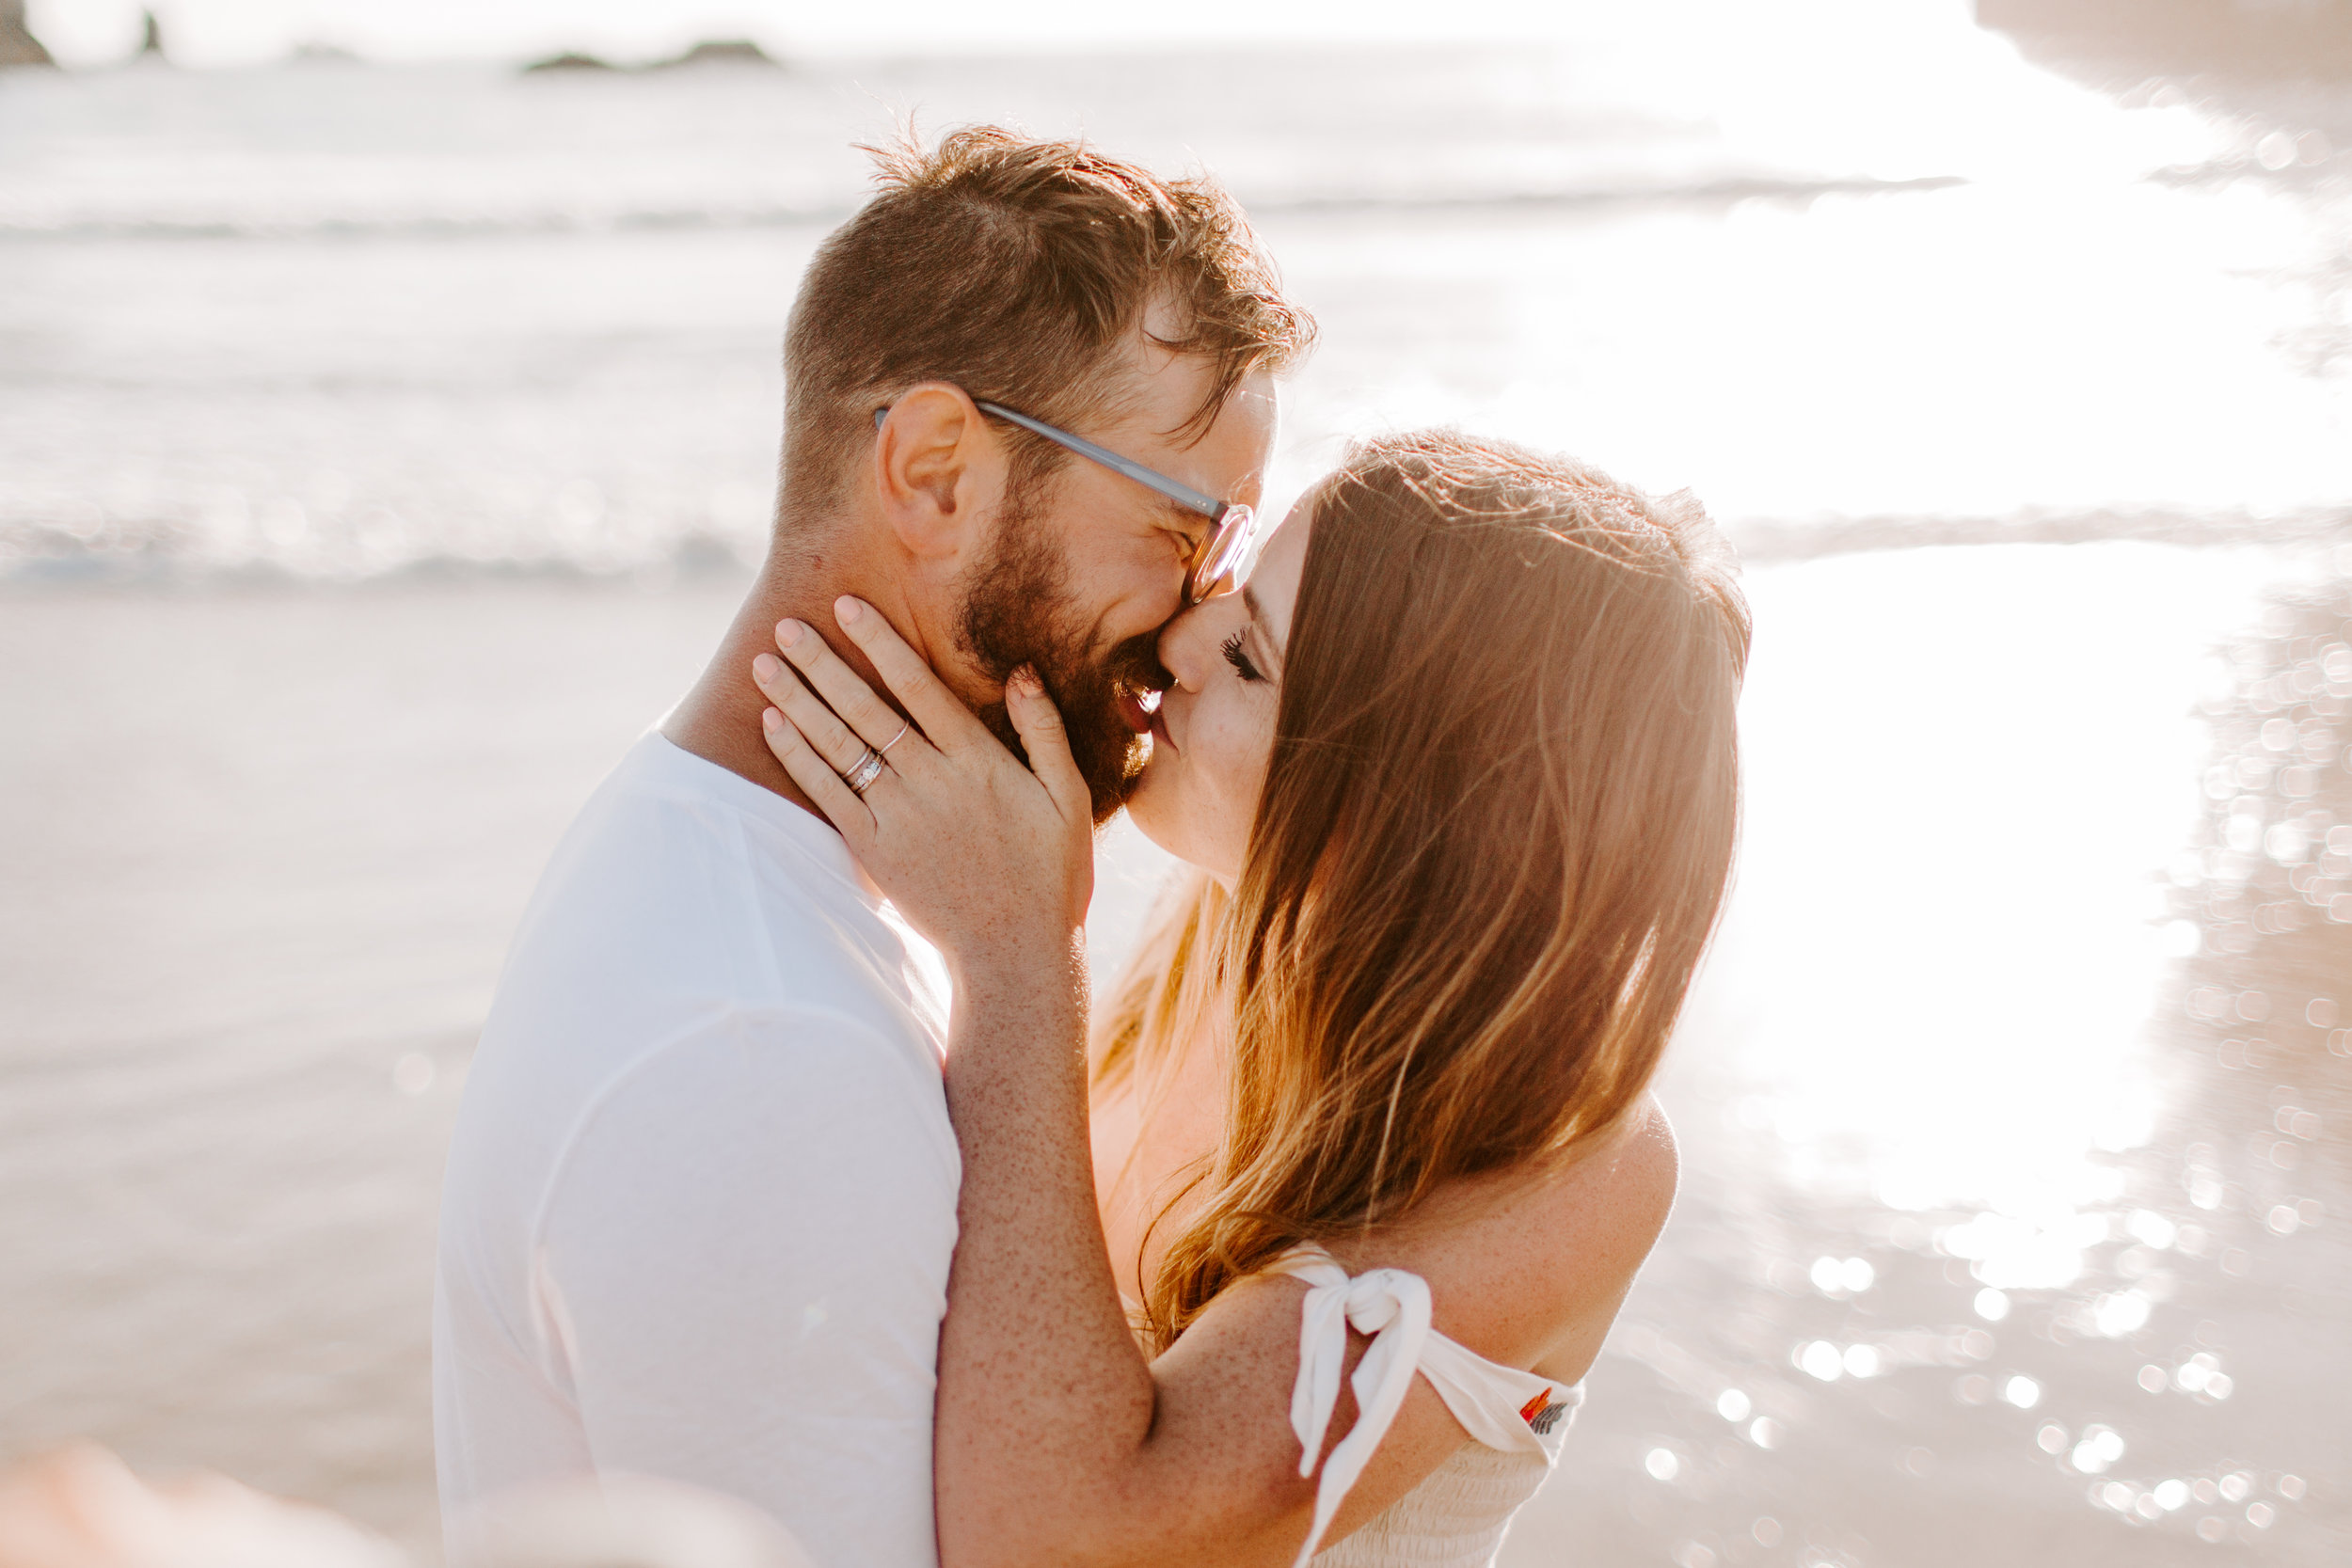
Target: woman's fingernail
x=788 y=632
x=771 y=720
x=847 y=609
x=764 y=668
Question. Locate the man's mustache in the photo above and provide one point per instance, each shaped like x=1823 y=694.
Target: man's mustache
x=1135 y=665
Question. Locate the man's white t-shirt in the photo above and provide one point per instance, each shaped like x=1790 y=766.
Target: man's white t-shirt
x=702 y=1197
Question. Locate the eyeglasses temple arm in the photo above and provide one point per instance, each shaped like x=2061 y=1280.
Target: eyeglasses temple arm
x=1182 y=495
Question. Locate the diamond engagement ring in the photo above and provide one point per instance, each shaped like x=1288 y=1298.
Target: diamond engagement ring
x=862 y=774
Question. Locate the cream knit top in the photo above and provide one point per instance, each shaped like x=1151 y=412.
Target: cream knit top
x=1455 y=1518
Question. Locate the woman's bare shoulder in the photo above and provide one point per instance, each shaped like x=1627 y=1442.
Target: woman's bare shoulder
x=1633 y=1179
x=1602 y=1216
x=1598 y=1213
x=1530 y=1270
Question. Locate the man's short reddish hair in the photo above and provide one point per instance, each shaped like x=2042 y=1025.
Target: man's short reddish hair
x=1017 y=269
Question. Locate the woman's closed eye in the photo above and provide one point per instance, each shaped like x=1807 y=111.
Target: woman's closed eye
x=1236 y=656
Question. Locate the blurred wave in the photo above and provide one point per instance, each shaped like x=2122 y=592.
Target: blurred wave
x=161 y=553
x=341 y=149
x=1702 y=193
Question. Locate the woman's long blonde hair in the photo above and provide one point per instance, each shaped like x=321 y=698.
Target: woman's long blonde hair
x=1495 y=837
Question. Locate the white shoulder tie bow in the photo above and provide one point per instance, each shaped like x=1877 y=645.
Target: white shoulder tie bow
x=1391 y=1307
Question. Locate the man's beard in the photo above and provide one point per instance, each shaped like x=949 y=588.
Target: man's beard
x=1018 y=611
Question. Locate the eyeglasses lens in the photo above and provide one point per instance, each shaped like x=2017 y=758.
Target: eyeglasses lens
x=1223 y=554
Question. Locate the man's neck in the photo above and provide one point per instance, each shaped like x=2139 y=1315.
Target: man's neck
x=719 y=719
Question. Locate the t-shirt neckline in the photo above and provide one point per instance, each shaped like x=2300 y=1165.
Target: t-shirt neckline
x=809 y=832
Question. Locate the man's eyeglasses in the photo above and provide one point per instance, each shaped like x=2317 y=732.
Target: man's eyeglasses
x=1232 y=525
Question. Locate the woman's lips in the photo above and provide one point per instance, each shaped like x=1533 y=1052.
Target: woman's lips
x=1159 y=731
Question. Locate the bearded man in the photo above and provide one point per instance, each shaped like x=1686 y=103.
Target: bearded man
x=702 y=1199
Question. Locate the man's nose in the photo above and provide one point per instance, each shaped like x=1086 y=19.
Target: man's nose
x=1176 y=651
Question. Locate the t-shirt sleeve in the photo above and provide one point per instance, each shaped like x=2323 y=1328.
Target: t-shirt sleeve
x=740 y=1273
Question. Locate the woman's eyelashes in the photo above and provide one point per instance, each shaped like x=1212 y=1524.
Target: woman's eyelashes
x=1232 y=649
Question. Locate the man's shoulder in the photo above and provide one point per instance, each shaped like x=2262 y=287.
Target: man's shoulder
x=666 y=817
x=682 y=888
x=686 y=954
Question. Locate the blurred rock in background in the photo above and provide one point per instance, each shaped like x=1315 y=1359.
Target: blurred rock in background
x=16 y=45
x=2249 y=40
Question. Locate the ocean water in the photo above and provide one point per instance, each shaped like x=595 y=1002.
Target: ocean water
x=382 y=448
x=334 y=320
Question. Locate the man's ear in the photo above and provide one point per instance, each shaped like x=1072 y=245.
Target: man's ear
x=937 y=471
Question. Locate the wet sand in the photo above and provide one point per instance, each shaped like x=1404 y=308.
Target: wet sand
x=264 y=853
x=265 y=848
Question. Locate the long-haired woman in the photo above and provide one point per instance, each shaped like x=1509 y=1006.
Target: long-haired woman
x=1305 y=1253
